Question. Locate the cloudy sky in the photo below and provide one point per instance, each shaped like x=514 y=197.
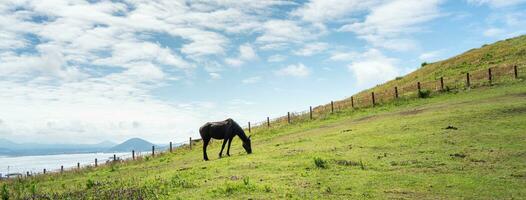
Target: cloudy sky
x=86 y=71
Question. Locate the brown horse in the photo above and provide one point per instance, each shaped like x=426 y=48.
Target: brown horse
x=225 y=130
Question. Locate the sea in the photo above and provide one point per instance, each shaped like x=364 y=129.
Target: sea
x=53 y=163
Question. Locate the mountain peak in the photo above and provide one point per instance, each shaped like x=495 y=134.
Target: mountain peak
x=136 y=144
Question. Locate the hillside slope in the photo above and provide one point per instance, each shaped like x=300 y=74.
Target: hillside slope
x=506 y=52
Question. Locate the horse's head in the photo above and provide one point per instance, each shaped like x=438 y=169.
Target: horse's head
x=247 y=145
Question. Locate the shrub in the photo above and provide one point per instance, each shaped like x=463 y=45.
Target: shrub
x=178 y=181
x=320 y=163
x=347 y=163
x=424 y=93
x=90 y=183
x=423 y=64
x=447 y=89
x=362 y=165
x=398 y=78
x=113 y=168
x=246 y=181
x=5 y=192
x=267 y=188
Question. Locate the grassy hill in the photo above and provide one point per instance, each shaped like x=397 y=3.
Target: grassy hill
x=456 y=144
x=506 y=52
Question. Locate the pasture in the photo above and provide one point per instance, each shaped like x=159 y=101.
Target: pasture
x=459 y=144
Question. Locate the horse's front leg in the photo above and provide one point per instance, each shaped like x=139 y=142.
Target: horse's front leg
x=205 y=143
x=223 y=147
x=229 y=143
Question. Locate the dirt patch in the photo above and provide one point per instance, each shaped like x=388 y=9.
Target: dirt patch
x=365 y=118
x=412 y=112
x=458 y=155
x=519 y=110
x=520 y=95
x=346 y=130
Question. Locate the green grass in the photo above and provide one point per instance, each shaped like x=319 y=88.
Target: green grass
x=396 y=150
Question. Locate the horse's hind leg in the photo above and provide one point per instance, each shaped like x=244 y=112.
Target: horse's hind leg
x=205 y=143
x=223 y=147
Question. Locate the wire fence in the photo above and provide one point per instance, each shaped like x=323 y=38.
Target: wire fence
x=479 y=78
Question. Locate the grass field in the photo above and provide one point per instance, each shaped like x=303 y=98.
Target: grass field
x=460 y=144
x=398 y=150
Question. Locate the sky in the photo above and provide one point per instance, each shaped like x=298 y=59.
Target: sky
x=77 y=71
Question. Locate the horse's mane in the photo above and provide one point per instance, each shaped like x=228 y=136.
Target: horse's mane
x=238 y=130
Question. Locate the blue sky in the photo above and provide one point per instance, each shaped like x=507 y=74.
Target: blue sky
x=86 y=71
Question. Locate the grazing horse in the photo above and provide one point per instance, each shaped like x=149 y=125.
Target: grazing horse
x=225 y=130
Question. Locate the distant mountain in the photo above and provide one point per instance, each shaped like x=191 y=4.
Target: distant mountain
x=10 y=148
x=136 y=144
x=7 y=144
x=105 y=144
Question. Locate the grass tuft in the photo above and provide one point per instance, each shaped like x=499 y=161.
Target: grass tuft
x=320 y=163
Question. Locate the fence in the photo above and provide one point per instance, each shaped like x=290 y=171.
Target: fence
x=116 y=158
x=486 y=77
x=371 y=98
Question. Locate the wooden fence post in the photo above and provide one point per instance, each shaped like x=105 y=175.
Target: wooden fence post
x=249 y=129
x=310 y=109
x=442 y=83
x=190 y=143
x=372 y=98
x=396 y=92
x=468 y=82
x=352 y=101
x=96 y=164
x=153 y=150
x=419 y=88
x=61 y=169
x=27 y=173
x=44 y=171
x=170 y=147
x=332 y=106
x=489 y=75
x=78 y=165
x=268 y=122
x=114 y=157
x=133 y=154
x=515 y=71
x=288 y=117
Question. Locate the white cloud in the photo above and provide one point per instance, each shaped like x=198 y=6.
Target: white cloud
x=430 y=56
x=327 y=10
x=215 y=75
x=497 y=3
x=343 y=56
x=388 y=24
x=505 y=24
x=234 y=62
x=89 y=68
x=253 y=79
x=89 y=111
x=279 y=33
x=311 y=49
x=276 y=58
x=372 y=68
x=299 y=70
x=246 y=53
